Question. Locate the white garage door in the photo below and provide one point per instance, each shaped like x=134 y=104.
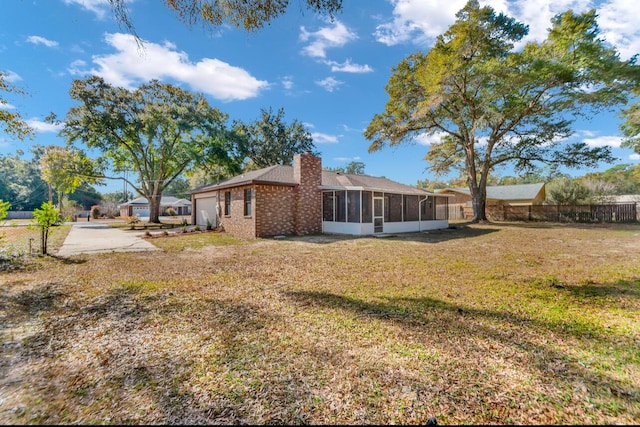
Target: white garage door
x=141 y=212
x=206 y=211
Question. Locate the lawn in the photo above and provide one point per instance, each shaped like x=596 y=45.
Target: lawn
x=496 y=323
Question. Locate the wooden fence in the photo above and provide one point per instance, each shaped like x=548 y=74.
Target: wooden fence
x=621 y=212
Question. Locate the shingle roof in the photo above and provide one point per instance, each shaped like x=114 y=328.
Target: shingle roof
x=505 y=192
x=283 y=175
x=164 y=201
x=339 y=180
x=278 y=174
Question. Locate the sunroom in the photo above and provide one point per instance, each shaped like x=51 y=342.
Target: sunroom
x=365 y=211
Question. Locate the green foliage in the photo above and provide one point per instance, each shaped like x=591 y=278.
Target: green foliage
x=20 y=181
x=158 y=130
x=487 y=105
x=248 y=14
x=178 y=188
x=45 y=218
x=353 y=167
x=4 y=208
x=567 y=191
x=12 y=122
x=95 y=212
x=86 y=196
x=270 y=141
x=620 y=179
x=67 y=169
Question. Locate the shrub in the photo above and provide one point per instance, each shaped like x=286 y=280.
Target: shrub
x=45 y=218
x=95 y=212
x=170 y=211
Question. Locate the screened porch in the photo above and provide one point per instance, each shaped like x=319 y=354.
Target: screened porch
x=362 y=212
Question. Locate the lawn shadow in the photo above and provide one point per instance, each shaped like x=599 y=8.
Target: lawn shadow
x=127 y=364
x=426 y=236
x=470 y=324
x=619 y=289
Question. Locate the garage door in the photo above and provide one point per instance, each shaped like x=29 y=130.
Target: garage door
x=141 y=212
x=205 y=211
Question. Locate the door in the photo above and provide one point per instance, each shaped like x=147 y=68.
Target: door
x=378 y=214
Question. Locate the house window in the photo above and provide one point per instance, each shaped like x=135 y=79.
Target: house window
x=327 y=206
x=247 y=202
x=227 y=203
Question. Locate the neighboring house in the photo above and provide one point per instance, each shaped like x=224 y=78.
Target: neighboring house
x=140 y=206
x=497 y=195
x=304 y=199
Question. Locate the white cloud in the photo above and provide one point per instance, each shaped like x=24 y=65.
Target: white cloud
x=348 y=67
x=333 y=36
x=42 y=41
x=426 y=139
x=43 y=127
x=329 y=84
x=287 y=82
x=98 y=7
x=129 y=67
x=603 y=141
x=323 y=138
x=634 y=156
x=10 y=76
x=420 y=21
x=6 y=106
x=346 y=159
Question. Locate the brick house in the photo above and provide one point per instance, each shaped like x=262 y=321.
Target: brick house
x=303 y=199
x=497 y=197
x=140 y=206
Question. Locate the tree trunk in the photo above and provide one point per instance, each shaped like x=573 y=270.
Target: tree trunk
x=479 y=209
x=154 y=208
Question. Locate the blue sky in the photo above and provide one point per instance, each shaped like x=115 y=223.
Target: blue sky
x=328 y=75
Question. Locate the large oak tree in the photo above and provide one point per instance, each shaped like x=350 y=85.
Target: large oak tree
x=489 y=104
x=248 y=14
x=157 y=130
x=270 y=141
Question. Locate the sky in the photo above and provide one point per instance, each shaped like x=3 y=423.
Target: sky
x=329 y=75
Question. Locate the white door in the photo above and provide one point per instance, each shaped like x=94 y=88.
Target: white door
x=206 y=211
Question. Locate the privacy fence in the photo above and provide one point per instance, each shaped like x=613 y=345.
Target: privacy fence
x=620 y=212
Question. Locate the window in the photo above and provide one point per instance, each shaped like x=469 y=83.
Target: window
x=247 y=202
x=327 y=206
x=227 y=203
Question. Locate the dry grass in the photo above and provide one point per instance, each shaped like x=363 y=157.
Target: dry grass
x=483 y=324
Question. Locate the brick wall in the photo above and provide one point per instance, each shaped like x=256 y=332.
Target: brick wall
x=307 y=171
x=237 y=223
x=275 y=213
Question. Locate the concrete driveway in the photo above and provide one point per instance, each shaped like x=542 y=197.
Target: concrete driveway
x=96 y=237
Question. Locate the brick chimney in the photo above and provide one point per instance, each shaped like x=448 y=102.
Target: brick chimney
x=307 y=172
